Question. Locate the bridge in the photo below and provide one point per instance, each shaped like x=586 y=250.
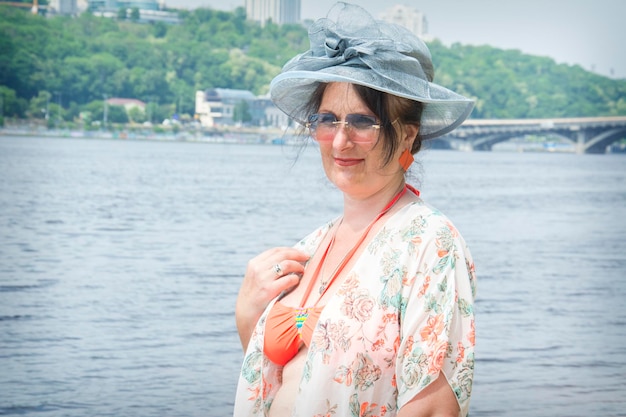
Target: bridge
x=589 y=134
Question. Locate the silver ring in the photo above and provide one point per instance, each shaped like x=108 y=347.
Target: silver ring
x=278 y=270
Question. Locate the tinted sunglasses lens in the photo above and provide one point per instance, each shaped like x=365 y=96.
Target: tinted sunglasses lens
x=360 y=121
x=322 y=126
x=363 y=128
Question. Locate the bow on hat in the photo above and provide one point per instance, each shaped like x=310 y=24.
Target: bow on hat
x=349 y=47
x=362 y=43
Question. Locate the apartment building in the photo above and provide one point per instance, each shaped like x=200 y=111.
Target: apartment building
x=276 y=11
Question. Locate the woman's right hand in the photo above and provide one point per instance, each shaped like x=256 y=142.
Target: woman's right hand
x=267 y=275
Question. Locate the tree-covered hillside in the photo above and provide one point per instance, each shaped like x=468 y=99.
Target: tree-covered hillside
x=510 y=84
x=72 y=64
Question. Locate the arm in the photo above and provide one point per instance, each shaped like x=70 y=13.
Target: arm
x=262 y=283
x=436 y=400
x=435 y=368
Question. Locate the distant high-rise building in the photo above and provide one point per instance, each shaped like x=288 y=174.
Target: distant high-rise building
x=149 y=10
x=409 y=17
x=278 y=11
x=82 y=5
x=115 y=5
x=66 y=7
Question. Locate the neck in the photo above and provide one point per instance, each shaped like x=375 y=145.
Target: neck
x=358 y=212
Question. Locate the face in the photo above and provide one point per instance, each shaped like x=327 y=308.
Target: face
x=355 y=167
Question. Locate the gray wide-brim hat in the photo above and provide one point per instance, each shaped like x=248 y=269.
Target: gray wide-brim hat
x=358 y=49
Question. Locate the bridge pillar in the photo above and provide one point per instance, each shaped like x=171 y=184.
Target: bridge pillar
x=466 y=147
x=581 y=140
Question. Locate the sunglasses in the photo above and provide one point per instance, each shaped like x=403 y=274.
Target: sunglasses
x=360 y=127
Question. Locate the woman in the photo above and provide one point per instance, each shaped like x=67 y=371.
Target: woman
x=372 y=314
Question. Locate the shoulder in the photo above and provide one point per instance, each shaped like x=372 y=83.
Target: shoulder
x=423 y=236
x=420 y=218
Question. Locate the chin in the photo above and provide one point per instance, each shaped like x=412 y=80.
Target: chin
x=348 y=183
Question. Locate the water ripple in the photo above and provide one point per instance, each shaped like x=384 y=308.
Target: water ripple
x=121 y=302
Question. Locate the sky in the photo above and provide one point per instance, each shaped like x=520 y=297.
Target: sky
x=589 y=33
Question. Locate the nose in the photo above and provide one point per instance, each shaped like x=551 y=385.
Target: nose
x=341 y=139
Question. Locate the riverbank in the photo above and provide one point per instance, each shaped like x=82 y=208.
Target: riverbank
x=224 y=135
x=272 y=136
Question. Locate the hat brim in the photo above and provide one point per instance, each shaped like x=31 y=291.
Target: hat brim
x=444 y=110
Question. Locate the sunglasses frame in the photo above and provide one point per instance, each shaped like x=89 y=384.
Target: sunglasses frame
x=359 y=135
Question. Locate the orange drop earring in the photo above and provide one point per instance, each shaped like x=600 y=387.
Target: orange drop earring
x=406 y=159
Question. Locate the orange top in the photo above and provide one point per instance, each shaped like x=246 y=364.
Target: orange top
x=287 y=328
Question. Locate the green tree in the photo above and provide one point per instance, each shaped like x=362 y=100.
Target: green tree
x=136 y=115
x=134 y=14
x=39 y=107
x=10 y=104
x=93 y=112
x=241 y=112
x=117 y=114
x=159 y=29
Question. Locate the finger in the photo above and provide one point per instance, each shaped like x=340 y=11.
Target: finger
x=272 y=289
x=285 y=283
x=281 y=253
x=277 y=269
x=295 y=255
x=286 y=267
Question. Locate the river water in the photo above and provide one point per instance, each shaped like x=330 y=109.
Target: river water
x=120 y=262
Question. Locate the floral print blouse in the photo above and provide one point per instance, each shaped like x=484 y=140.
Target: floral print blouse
x=404 y=314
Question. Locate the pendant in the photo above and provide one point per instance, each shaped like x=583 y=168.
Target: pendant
x=301 y=315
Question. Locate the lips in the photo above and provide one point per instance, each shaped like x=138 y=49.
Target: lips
x=348 y=162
